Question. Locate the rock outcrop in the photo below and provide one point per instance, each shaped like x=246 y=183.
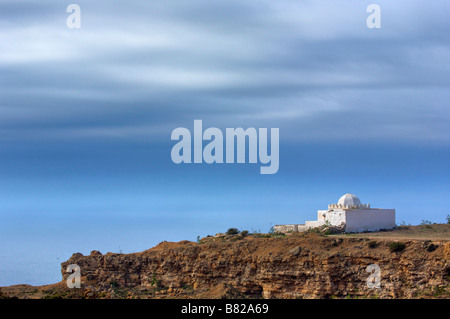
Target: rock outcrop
x=295 y=266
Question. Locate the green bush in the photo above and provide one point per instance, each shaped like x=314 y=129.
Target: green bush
x=244 y=233
x=396 y=246
x=232 y=231
x=155 y=281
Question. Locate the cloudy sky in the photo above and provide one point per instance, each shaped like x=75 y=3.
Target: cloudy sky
x=86 y=117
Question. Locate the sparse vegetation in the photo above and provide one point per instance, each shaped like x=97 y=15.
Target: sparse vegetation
x=439 y=290
x=273 y=233
x=397 y=246
x=258 y=234
x=426 y=223
x=187 y=287
x=314 y=230
x=155 y=281
x=56 y=295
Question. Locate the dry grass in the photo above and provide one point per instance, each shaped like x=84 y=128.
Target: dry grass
x=419 y=232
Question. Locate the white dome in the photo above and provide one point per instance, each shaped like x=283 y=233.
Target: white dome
x=349 y=200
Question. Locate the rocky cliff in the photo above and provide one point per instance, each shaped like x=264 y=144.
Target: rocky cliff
x=295 y=266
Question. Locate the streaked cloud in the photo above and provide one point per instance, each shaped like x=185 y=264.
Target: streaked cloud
x=311 y=68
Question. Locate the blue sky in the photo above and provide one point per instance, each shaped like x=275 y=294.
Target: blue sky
x=86 y=117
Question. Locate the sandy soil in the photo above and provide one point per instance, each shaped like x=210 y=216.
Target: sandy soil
x=419 y=232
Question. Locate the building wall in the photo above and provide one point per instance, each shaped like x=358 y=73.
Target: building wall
x=360 y=220
x=289 y=228
x=320 y=214
x=355 y=220
x=335 y=217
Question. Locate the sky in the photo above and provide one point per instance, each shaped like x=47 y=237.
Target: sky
x=86 y=117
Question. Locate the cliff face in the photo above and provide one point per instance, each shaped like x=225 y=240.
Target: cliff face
x=296 y=266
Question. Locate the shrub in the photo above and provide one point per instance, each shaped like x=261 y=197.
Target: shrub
x=448 y=219
x=244 y=233
x=431 y=247
x=155 y=281
x=232 y=231
x=372 y=244
x=396 y=246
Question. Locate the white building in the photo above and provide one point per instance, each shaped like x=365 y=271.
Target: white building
x=349 y=214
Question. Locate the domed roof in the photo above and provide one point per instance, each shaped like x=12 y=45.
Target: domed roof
x=349 y=200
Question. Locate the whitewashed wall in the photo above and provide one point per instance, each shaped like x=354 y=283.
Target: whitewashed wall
x=336 y=217
x=360 y=220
